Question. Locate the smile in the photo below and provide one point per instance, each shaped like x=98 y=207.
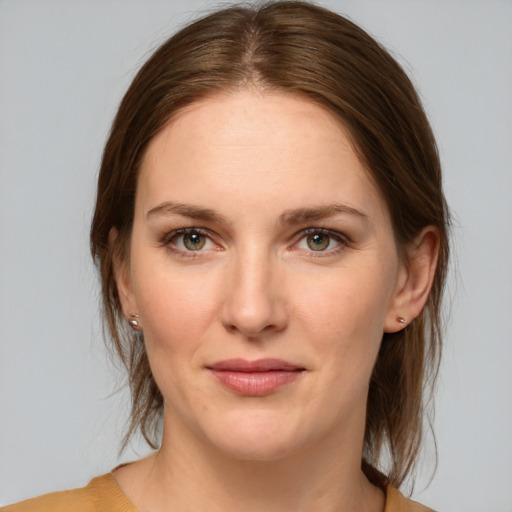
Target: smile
x=255 y=378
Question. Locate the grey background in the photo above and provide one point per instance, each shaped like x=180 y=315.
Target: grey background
x=63 y=68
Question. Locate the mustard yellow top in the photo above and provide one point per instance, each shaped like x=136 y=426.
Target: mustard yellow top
x=104 y=495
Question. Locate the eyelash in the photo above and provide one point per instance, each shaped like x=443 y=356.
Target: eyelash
x=338 y=237
x=172 y=236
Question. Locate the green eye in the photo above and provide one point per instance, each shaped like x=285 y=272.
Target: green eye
x=194 y=241
x=318 y=241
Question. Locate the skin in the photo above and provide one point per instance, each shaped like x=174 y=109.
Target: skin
x=268 y=167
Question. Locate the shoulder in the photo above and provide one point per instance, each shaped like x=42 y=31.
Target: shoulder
x=397 y=502
x=102 y=494
x=76 y=499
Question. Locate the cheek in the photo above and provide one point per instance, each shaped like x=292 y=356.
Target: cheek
x=346 y=304
x=344 y=316
x=177 y=308
x=177 y=320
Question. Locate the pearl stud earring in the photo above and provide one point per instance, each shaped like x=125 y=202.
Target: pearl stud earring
x=134 y=322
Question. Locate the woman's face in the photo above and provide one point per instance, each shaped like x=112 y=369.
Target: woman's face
x=264 y=271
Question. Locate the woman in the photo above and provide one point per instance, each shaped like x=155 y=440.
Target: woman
x=271 y=235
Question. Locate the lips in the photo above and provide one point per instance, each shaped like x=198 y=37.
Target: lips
x=255 y=378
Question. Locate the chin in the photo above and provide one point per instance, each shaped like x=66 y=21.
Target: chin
x=257 y=438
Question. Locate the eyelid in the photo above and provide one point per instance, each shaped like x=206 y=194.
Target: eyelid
x=342 y=239
x=184 y=231
x=325 y=231
x=176 y=233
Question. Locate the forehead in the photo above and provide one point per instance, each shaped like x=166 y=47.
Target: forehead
x=248 y=117
x=266 y=146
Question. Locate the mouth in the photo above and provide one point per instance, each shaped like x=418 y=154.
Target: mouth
x=255 y=378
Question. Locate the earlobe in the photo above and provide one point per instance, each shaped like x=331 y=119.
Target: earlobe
x=121 y=269
x=414 y=288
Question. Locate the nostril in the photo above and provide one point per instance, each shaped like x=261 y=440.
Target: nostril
x=254 y=332
x=231 y=328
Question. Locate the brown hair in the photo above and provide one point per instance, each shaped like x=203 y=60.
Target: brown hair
x=303 y=49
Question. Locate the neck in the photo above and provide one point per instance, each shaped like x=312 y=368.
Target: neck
x=326 y=477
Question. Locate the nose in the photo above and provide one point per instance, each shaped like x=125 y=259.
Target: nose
x=254 y=304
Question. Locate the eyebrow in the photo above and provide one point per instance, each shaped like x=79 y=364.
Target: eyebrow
x=301 y=215
x=185 y=210
x=294 y=216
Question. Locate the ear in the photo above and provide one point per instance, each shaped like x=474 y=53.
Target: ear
x=414 y=280
x=121 y=268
